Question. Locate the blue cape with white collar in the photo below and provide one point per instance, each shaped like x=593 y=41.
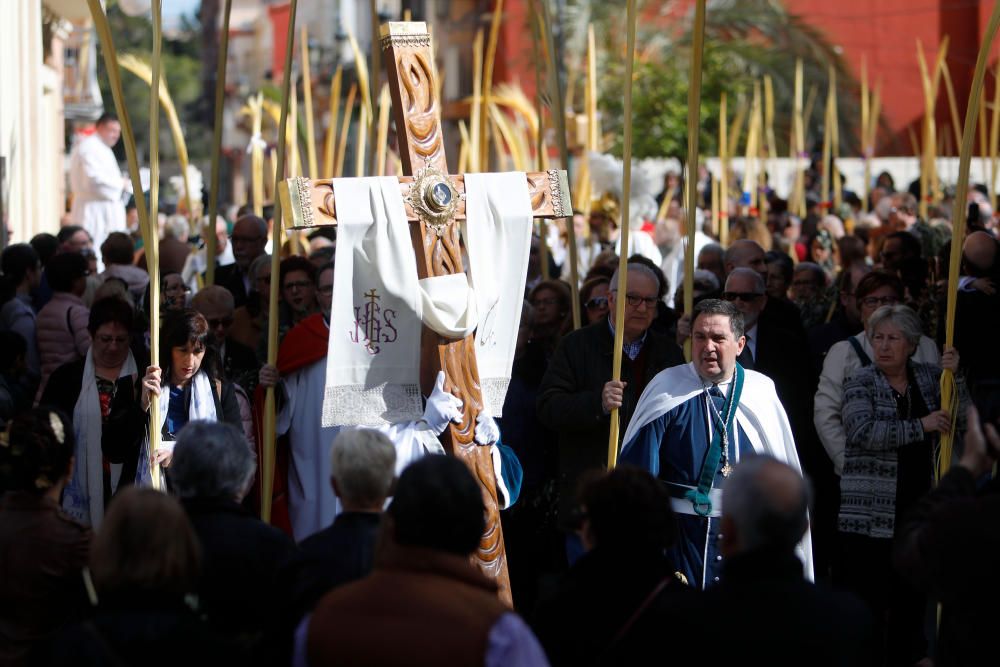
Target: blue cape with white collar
x=759 y=413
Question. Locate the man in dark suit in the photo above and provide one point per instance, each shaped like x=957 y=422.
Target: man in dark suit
x=239 y=363
x=577 y=394
x=764 y=611
x=249 y=239
x=978 y=308
x=748 y=254
x=211 y=471
x=362 y=472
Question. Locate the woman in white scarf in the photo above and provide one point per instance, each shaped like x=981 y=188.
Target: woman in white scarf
x=99 y=392
x=191 y=387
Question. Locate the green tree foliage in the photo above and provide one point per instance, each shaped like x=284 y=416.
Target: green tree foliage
x=744 y=41
x=181 y=67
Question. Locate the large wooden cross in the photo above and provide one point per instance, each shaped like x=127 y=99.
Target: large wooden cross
x=434 y=201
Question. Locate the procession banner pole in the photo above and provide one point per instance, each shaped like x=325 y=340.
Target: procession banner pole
x=147 y=229
x=949 y=88
x=835 y=143
x=799 y=143
x=220 y=97
x=153 y=250
x=558 y=113
x=307 y=103
x=865 y=149
x=331 y=129
x=143 y=70
x=949 y=398
x=488 y=63
x=621 y=287
x=382 y=138
x=270 y=416
x=476 y=110
x=995 y=140
x=827 y=123
x=694 y=123
x=374 y=83
x=338 y=169
x=257 y=154
x=723 y=230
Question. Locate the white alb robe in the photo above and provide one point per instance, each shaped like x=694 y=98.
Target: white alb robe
x=312 y=504
x=96 y=182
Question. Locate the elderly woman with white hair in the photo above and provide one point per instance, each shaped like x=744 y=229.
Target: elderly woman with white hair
x=894 y=419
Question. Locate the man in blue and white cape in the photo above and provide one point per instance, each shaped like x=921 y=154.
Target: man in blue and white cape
x=695 y=422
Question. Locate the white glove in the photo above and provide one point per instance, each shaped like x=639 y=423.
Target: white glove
x=487 y=431
x=442 y=407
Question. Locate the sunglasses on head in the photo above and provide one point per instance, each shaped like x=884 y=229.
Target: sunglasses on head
x=596 y=302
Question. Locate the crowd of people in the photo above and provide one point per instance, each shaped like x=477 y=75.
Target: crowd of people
x=780 y=488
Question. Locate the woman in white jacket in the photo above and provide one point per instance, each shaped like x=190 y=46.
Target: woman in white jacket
x=878 y=288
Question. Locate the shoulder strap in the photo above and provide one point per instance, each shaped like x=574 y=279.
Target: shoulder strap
x=860 y=351
x=69 y=321
x=639 y=611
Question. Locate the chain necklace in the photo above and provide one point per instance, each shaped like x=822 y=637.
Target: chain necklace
x=723 y=425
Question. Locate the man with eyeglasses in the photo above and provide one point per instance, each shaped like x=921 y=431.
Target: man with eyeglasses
x=301 y=481
x=576 y=394
x=239 y=363
x=249 y=238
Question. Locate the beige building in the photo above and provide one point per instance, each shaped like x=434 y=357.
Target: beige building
x=32 y=135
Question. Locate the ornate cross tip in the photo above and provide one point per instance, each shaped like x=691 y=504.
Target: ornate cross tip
x=400 y=33
x=296 y=202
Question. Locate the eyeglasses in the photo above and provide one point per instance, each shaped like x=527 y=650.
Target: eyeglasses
x=545 y=301
x=745 y=297
x=596 y=303
x=117 y=340
x=215 y=323
x=299 y=284
x=177 y=289
x=635 y=300
x=873 y=301
x=325 y=289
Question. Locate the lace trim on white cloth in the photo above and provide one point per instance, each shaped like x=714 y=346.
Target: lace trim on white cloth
x=356 y=405
x=494 y=390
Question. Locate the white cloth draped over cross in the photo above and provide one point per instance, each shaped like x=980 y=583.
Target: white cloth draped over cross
x=379 y=304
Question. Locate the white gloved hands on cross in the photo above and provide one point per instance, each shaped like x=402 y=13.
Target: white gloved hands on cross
x=487 y=431
x=442 y=407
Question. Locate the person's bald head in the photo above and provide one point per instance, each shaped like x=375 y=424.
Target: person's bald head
x=249 y=238
x=217 y=305
x=765 y=504
x=980 y=250
x=744 y=253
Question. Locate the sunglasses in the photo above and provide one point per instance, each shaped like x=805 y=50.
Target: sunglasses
x=745 y=297
x=221 y=321
x=596 y=303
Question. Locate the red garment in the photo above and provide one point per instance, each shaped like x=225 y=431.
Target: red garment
x=305 y=344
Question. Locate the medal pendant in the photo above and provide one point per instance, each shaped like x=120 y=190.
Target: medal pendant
x=727 y=470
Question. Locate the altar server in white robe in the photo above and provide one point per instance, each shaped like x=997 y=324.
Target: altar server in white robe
x=97 y=184
x=694 y=422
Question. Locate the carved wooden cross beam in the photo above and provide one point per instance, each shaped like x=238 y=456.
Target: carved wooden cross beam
x=434 y=201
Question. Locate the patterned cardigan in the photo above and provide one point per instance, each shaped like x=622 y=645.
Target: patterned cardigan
x=874 y=433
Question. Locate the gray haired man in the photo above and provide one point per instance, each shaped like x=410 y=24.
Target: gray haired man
x=363 y=471
x=770 y=612
x=211 y=471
